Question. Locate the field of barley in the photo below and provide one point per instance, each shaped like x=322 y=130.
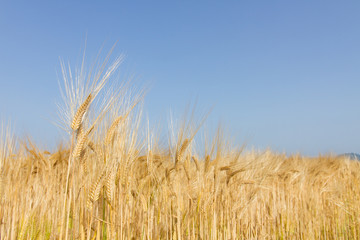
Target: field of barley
x=115 y=179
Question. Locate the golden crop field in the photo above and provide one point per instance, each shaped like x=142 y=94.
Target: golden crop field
x=115 y=180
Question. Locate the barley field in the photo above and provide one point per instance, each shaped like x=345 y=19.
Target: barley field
x=114 y=179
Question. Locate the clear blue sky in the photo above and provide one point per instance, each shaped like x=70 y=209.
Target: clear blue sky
x=281 y=74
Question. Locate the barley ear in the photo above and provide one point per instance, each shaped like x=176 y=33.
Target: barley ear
x=187 y=170
x=231 y=174
x=111 y=132
x=92 y=146
x=110 y=185
x=79 y=147
x=181 y=151
x=196 y=161
x=80 y=113
x=207 y=163
x=95 y=191
x=83 y=160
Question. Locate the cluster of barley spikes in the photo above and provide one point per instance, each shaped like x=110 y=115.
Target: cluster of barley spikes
x=114 y=180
